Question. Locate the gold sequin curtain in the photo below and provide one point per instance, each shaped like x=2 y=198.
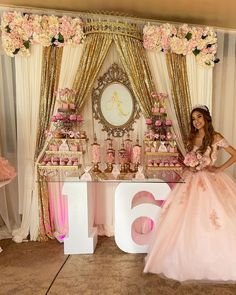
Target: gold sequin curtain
x=94 y=52
x=177 y=69
x=50 y=77
x=135 y=63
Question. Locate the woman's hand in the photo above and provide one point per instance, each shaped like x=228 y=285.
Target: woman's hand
x=214 y=169
x=192 y=169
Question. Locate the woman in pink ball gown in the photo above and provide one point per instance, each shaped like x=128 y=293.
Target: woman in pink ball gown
x=195 y=236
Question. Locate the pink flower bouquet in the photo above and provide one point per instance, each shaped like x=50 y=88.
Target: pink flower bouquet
x=191 y=160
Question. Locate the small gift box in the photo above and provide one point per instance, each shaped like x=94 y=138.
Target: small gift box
x=72 y=106
x=155 y=110
x=74 y=147
x=162 y=110
x=65 y=106
x=172 y=149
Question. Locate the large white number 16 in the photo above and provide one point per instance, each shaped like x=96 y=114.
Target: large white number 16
x=125 y=215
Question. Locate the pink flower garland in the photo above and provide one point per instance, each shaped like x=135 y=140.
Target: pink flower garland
x=202 y=42
x=20 y=31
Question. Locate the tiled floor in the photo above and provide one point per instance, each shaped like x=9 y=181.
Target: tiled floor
x=42 y=268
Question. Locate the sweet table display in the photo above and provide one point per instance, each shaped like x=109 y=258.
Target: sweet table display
x=66 y=142
x=160 y=148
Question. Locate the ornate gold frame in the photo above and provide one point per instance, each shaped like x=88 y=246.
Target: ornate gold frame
x=114 y=75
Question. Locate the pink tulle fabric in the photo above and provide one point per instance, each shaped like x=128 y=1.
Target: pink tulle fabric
x=195 y=236
x=7 y=172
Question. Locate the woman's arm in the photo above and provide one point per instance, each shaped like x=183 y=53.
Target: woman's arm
x=222 y=143
x=228 y=163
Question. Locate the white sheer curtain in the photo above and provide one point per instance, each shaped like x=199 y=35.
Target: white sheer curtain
x=158 y=67
x=69 y=66
x=224 y=91
x=9 y=215
x=28 y=82
x=200 y=82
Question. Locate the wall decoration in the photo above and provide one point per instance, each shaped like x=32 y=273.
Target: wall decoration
x=114 y=104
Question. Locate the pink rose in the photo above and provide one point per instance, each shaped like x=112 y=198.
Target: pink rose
x=158 y=123
x=73 y=117
x=191 y=160
x=149 y=121
x=53 y=119
x=168 y=122
x=79 y=118
x=59 y=116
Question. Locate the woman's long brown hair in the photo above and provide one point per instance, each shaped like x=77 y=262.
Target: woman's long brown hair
x=208 y=128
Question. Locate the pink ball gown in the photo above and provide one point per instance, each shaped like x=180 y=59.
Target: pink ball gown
x=195 y=236
x=7 y=172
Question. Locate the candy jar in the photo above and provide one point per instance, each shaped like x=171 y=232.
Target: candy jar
x=95 y=150
x=122 y=158
x=136 y=155
x=110 y=157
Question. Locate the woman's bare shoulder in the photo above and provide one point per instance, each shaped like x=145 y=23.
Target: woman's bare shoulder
x=217 y=137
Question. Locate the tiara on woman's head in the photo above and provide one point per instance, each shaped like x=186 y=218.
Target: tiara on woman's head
x=200 y=106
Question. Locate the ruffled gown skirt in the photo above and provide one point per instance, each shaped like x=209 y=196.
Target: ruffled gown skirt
x=195 y=236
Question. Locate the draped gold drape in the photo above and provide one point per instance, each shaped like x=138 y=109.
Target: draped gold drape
x=50 y=77
x=94 y=52
x=177 y=70
x=134 y=61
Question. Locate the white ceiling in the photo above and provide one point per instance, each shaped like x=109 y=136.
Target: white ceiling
x=204 y=12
